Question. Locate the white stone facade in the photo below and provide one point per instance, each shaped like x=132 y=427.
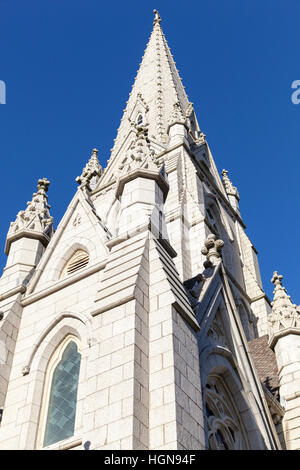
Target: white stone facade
x=157 y=332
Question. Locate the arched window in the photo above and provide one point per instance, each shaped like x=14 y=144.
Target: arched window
x=223 y=425
x=60 y=397
x=139 y=120
x=78 y=260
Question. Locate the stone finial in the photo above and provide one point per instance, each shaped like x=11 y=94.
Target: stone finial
x=35 y=220
x=229 y=188
x=43 y=185
x=284 y=314
x=92 y=169
x=212 y=249
x=157 y=18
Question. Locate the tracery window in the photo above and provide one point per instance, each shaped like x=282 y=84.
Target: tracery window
x=60 y=398
x=224 y=427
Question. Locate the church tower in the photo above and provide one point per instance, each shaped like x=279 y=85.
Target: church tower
x=133 y=326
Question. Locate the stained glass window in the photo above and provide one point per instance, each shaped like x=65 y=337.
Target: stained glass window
x=63 y=397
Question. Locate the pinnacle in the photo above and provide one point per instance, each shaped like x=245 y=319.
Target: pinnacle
x=92 y=169
x=229 y=188
x=284 y=314
x=35 y=218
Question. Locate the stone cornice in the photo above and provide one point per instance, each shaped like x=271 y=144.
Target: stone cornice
x=142 y=173
x=16 y=290
x=280 y=334
x=26 y=233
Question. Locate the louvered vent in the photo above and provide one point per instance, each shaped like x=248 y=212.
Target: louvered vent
x=79 y=260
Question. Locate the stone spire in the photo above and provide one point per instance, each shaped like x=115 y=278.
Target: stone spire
x=157 y=87
x=212 y=250
x=35 y=221
x=92 y=170
x=284 y=314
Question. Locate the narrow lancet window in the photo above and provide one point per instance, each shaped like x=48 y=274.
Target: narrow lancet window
x=139 y=120
x=60 y=421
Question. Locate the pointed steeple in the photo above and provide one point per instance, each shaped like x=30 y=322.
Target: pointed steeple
x=157 y=88
x=35 y=222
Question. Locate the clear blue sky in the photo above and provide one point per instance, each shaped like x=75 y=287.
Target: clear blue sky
x=69 y=65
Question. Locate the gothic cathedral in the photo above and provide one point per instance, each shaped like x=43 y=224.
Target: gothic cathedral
x=141 y=323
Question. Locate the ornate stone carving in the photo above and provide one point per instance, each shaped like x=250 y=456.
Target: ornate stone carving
x=212 y=249
x=177 y=115
x=284 y=314
x=139 y=154
x=92 y=169
x=36 y=219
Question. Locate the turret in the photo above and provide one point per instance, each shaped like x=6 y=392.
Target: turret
x=91 y=173
x=177 y=129
x=142 y=189
x=284 y=323
x=27 y=238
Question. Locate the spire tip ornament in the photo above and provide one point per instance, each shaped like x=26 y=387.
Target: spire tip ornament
x=157 y=18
